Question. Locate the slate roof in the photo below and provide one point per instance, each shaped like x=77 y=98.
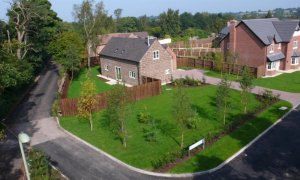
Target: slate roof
x=224 y=32
x=132 y=49
x=275 y=56
x=296 y=54
x=104 y=39
x=268 y=29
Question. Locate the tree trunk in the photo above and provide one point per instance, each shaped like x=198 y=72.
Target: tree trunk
x=91 y=122
x=181 y=145
x=89 y=52
x=124 y=134
x=224 y=115
x=245 y=109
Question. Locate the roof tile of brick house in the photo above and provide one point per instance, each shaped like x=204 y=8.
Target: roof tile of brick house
x=269 y=43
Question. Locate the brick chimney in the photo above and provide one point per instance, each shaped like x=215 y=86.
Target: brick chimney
x=232 y=36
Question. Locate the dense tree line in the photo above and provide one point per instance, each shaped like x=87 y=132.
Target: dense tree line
x=24 y=39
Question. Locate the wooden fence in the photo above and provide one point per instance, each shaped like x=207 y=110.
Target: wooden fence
x=194 y=52
x=68 y=106
x=198 y=43
x=212 y=65
x=95 y=61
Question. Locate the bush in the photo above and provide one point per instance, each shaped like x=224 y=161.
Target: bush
x=2 y=134
x=38 y=164
x=192 y=123
x=144 y=117
x=169 y=157
x=267 y=97
x=151 y=133
x=55 y=108
x=186 y=82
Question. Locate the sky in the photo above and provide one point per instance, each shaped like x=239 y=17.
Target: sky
x=137 y=8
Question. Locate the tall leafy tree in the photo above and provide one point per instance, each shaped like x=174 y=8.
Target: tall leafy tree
x=246 y=85
x=182 y=111
x=87 y=100
x=127 y=24
x=118 y=111
x=93 y=21
x=186 y=20
x=67 y=49
x=223 y=98
x=170 y=22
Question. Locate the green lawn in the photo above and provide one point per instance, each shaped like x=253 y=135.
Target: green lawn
x=75 y=86
x=141 y=153
x=289 y=82
x=216 y=74
x=229 y=144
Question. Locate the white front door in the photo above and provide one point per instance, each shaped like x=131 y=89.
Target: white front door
x=118 y=73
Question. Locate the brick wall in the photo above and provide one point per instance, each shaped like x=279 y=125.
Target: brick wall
x=156 y=68
x=288 y=64
x=250 y=49
x=125 y=66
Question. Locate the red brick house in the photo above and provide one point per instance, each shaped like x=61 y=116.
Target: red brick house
x=128 y=59
x=269 y=43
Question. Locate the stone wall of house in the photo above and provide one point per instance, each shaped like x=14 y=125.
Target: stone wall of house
x=157 y=68
x=125 y=66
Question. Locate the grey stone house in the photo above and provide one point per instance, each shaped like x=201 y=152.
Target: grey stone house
x=129 y=59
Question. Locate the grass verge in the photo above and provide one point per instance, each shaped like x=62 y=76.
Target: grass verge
x=218 y=152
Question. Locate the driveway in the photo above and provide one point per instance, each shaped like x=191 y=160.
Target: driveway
x=275 y=155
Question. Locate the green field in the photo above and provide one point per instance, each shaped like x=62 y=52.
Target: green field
x=141 y=153
x=75 y=86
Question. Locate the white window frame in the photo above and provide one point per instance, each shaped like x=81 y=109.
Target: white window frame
x=295 y=61
x=132 y=75
x=279 y=46
x=155 y=55
x=271 y=48
x=106 y=67
x=271 y=65
x=167 y=71
x=295 y=45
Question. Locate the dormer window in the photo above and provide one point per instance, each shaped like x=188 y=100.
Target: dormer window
x=156 y=55
x=295 y=45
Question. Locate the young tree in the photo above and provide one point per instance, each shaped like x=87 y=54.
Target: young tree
x=67 y=49
x=246 y=86
x=93 y=20
x=118 y=111
x=87 y=101
x=223 y=98
x=182 y=111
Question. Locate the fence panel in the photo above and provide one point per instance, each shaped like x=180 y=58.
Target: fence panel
x=211 y=65
x=69 y=106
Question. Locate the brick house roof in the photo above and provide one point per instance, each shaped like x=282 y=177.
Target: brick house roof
x=268 y=29
x=132 y=49
x=104 y=39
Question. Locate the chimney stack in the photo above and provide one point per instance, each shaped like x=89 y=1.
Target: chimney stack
x=232 y=34
x=148 y=40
